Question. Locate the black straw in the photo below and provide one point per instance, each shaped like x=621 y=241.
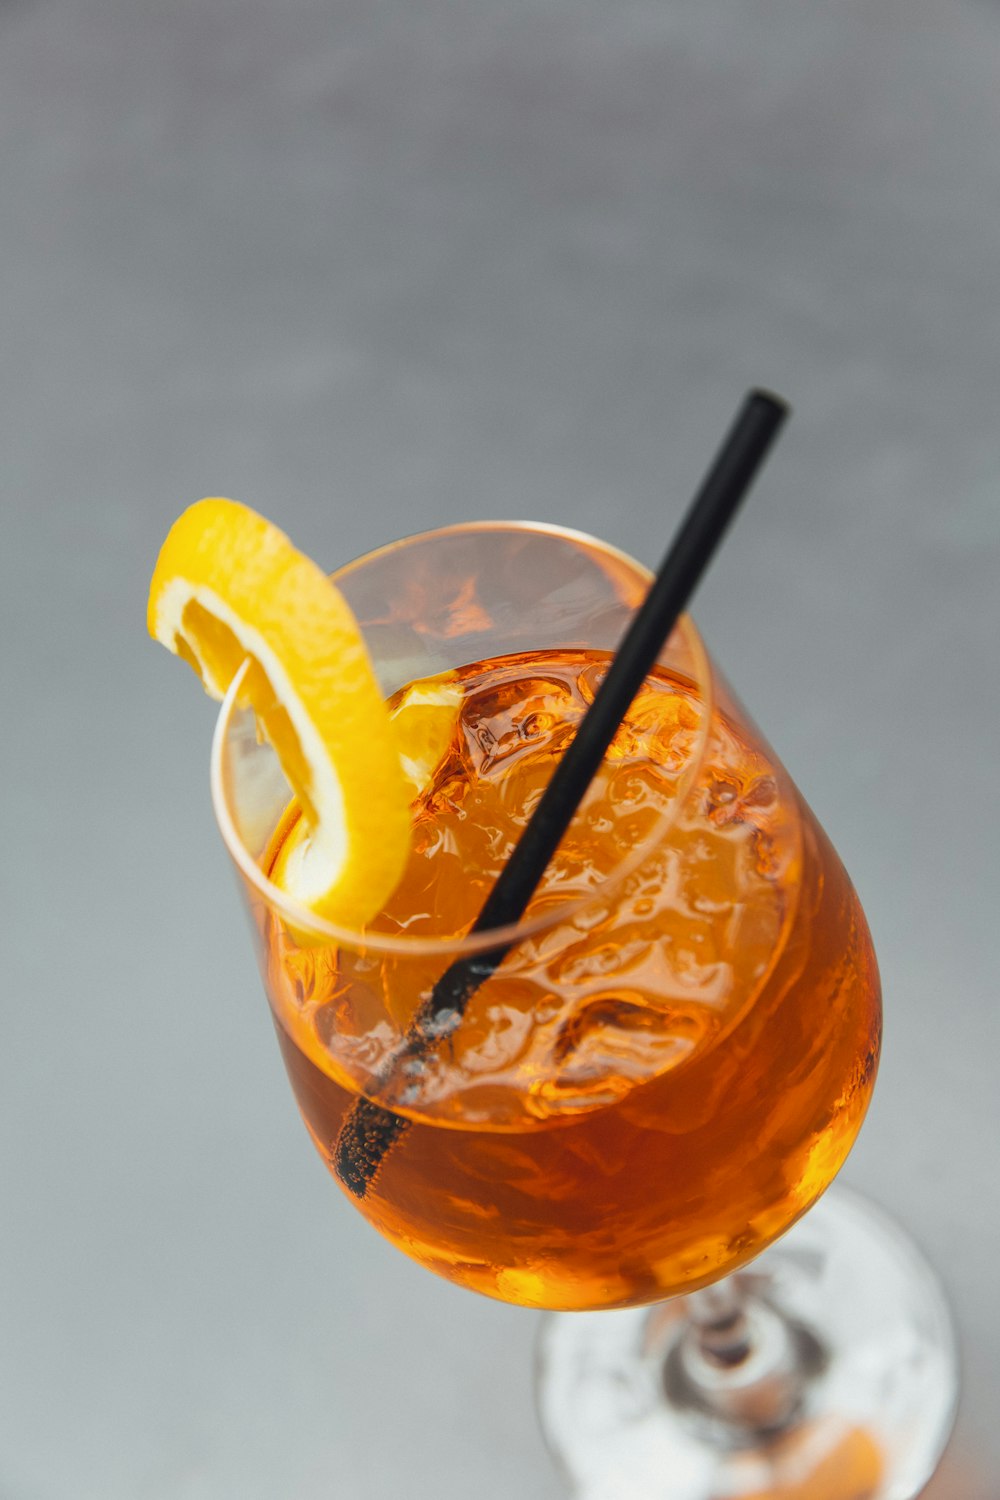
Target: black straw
x=370 y=1129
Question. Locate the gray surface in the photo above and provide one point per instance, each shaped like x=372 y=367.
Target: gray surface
x=374 y=268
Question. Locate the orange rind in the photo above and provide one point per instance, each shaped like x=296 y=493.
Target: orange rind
x=230 y=588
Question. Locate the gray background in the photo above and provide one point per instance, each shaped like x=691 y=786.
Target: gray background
x=371 y=267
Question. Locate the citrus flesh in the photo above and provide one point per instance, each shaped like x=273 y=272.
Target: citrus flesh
x=423 y=722
x=230 y=588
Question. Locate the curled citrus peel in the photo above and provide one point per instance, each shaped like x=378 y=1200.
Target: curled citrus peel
x=228 y=588
x=423 y=722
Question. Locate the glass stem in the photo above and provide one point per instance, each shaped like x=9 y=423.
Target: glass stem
x=739 y=1364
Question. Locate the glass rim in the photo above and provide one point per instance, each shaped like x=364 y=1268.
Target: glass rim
x=320 y=929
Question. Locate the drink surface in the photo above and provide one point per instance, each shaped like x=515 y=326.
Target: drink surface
x=671 y=1064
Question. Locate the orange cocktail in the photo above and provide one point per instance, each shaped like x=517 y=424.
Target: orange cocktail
x=651 y=1087
x=640 y=1082
x=676 y=1052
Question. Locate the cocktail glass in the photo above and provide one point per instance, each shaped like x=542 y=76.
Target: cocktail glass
x=663 y=1075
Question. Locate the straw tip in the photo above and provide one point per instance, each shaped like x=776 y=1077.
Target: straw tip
x=777 y=405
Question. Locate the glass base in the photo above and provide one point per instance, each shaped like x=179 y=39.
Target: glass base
x=876 y=1383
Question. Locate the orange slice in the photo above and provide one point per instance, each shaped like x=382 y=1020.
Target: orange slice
x=228 y=588
x=423 y=722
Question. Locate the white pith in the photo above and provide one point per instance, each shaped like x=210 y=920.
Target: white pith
x=318 y=861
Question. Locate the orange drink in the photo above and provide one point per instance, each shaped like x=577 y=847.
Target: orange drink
x=646 y=1076
x=652 y=1086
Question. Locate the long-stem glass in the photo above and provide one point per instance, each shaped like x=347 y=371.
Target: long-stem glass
x=665 y=1073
